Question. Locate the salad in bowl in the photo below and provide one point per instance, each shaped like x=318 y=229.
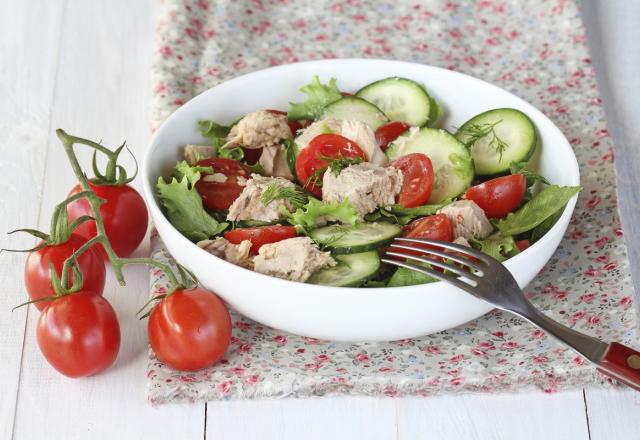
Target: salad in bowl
x=315 y=192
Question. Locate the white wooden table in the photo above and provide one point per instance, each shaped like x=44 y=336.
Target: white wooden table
x=84 y=66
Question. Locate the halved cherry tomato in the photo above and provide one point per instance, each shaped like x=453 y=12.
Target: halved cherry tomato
x=124 y=215
x=220 y=195
x=79 y=334
x=500 y=196
x=347 y=94
x=294 y=126
x=260 y=235
x=37 y=275
x=522 y=244
x=252 y=155
x=389 y=132
x=190 y=329
x=434 y=227
x=417 y=182
x=314 y=159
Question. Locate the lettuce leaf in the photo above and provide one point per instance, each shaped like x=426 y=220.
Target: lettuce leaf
x=307 y=216
x=183 y=205
x=542 y=206
x=214 y=131
x=408 y=277
x=497 y=246
x=319 y=96
x=402 y=216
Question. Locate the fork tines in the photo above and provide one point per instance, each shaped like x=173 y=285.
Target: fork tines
x=473 y=263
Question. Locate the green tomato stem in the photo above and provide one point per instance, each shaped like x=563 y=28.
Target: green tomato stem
x=101 y=236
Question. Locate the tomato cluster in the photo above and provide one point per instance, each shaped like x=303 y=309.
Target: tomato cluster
x=78 y=331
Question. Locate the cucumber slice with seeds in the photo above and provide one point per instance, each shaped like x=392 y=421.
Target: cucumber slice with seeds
x=452 y=163
x=345 y=239
x=498 y=137
x=351 y=271
x=356 y=109
x=401 y=99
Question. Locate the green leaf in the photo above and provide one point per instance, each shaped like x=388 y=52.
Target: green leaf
x=216 y=132
x=319 y=96
x=184 y=209
x=497 y=246
x=402 y=216
x=545 y=226
x=192 y=173
x=307 y=216
x=408 y=277
x=542 y=206
x=256 y=168
x=520 y=168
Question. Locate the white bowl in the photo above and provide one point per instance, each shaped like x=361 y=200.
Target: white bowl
x=338 y=313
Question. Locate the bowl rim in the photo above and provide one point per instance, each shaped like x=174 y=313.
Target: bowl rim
x=572 y=169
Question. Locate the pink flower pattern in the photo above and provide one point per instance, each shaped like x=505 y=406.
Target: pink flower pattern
x=534 y=49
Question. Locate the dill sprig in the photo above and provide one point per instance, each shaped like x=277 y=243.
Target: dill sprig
x=335 y=164
x=277 y=191
x=475 y=132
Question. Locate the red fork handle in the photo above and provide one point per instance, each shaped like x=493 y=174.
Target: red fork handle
x=622 y=364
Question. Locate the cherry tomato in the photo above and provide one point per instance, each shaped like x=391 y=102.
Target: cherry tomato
x=252 y=155
x=434 y=227
x=522 y=244
x=260 y=235
x=346 y=94
x=417 y=182
x=190 y=329
x=124 y=215
x=79 y=334
x=313 y=159
x=389 y=132
x=499 y=196
x=294 y=126
x=220 y=195
x=37 y=276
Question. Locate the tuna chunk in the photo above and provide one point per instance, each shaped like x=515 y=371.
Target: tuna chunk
x=274 y=161
x=249 y=206
x=237 y=254
x=366 y=185
x=258 y=130
x=468 y=219
x=294 y=259
x=195 y=153
x=357 y=131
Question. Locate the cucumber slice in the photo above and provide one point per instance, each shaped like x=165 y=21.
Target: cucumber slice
x=452 y=163
x=344 y=239
x=356 y=109
x=401 y=99
x=351 y=270
x=498 y=137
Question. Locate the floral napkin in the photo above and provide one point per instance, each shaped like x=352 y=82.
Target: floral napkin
x=536 y=50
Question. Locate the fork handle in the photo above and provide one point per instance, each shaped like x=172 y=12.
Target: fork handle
x=622 y=364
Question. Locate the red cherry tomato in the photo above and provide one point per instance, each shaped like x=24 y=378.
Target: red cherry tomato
x=37 y=276
x=434 y=227
x=389 y=132
x=417 y=182
x=346 y=94
x=252 y=155
x=313 y=159
x=79 y=334
x=260 y=235
x=124 y=215
x=499 y=196
x=522 y=244
x=220 y=195
x=190 y=329
x=294 y=126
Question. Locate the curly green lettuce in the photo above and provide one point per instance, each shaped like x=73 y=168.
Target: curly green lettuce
x=183 y=205
x=319 y=96
x=497 y=246
x=310 y=215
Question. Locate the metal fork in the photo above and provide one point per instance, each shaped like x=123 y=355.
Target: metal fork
x=486 y=278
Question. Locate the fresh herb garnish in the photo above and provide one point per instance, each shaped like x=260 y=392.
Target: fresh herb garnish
x=475 y=132
x=277 y=191
x=336 y=165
